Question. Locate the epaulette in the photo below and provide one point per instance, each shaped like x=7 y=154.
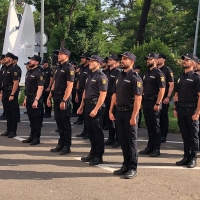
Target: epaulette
x=135 y=73
x=197 y=73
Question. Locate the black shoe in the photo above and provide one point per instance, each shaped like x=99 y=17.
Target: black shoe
x=116 y=144
x=28 y=140
x=76 y=121
x=6 y=133
x=109 y=142
x=65 y=150
x=105 y=128
x=18 y=121
x=146 y=151
x=182 y=162
x=57 y=149
x=82 y=134
x=47 y=116
x=74 y=115
x=87 y=159
x=86 y=136
x=130 y=174
x=155 y=153
x=35 y=141
x=163 y=139
x=121 y=171
x=3 y=117
x=56 y=130
x=192 y=164
x=25 y=112
x=12 y=135
x=79 y=123
x=96 y=161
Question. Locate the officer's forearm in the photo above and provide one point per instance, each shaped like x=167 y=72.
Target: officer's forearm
x=160 y=95
x=51 y=82
x=39 y=92
x=113 y=102
x=15 y=87
x=68 y=90
x=82 y=101
x=101 y=100
x=171 y=88
x=77 y=85
x=136 y=106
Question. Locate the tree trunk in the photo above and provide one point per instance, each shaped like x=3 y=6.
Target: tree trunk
x=143 y=22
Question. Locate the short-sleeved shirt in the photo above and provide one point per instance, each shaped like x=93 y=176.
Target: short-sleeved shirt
x=127 y=85
x=82 y=76
x=34 y=78
x=105 y=71
x=19 y=71
x=169 y=76
x=111 y=75
x=95 y=83
x=64 y=73
x=188 y=87
x=48 y=73
x=153 y=80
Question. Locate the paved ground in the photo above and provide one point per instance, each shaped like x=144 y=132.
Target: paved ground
x=28 y=172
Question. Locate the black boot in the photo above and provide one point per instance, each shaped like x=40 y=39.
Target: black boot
x=35 y=141
x=57 y=149
x=65 y=150
x=6 y=133
x=28 y=140
x=82 y=134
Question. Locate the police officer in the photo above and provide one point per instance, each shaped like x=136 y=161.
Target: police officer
x=169 y=76
x=48 y=81
x=128 y=85
x=93 y=100
x=111 y=75
x=62 y=89
x=82 y=76
x=15 y=61
x=34 y=85
x=10 y=83
x=187 y=109
x=153 y=93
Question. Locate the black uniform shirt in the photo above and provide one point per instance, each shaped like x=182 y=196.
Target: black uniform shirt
x=82 y=76
x=152 y=81
x=10 y=74
x=187 y=87
x=96 y=82
x=64 y=73
x=48 y=73
x=169 y=76
x=126 y=86
x=112 y=74
x=19 y=71
x=105 y=71
x=34 y=78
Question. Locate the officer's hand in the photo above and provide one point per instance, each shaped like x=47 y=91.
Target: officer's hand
x=175 y=114
x=166 y=100
x=62 y=106
x=49 y=103
x=156 y=108
x=80 y=111
x=195 y=117
x=93 y=113
x=24 y=103
x=133 y=121
x=48 y=89
x=0 y=96
x=76 y=98
x=111 y=116
x=11 y=98
x=35 y=104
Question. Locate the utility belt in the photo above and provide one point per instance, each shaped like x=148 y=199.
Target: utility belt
x=9 y=88
x=124 y=108
x=91 y=101
x=58 y=92
x=30 y=94
x=80 y=90
x=150 y=98
x=186 y=105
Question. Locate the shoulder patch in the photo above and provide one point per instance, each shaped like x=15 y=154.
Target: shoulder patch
x=162 y=78
x=104 y=81
x=41 y=78
x=71 y=72
x=15 y=74
x=139 y=84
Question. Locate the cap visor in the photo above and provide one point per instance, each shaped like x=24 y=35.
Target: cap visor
x=185 y=57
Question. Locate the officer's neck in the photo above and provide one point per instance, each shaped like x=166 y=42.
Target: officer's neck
x=128 y=69
x=32 y=68
x=94 y=70
x=112 y=67
x=8 y=64
x=186 y=70
x=160 y=66
x=63 y=62
x=151 y=68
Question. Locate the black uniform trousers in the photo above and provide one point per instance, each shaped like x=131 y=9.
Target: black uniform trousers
x=189 y=130
x=75 y=104
x=127 y=137
x=17 y=93
x=34 y=115
x=62 y=118
x=94 y=127
x=152 y=120
x=47 y=110
x=80 y=94
x=164 y=120
x=140 y=118
x=11 y=110
x=111 y=124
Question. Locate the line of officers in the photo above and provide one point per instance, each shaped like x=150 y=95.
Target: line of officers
x=117 y=95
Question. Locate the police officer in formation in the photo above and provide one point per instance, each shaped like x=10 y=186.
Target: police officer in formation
x=111 y=75
x=9 y=95
x=93 y=105
x=187 y=109
x=125 y=111
x=61 y=90
x=153 y=93
x=34 y=85
x=169 y=76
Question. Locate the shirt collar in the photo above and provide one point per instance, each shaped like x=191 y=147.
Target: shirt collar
x=93 y=73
